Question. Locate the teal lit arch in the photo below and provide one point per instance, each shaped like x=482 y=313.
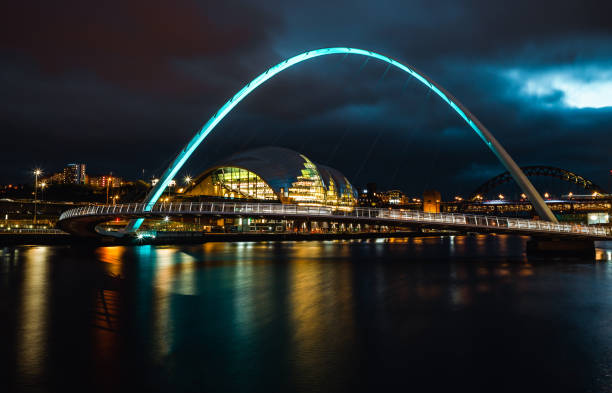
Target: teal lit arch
x=471 y=120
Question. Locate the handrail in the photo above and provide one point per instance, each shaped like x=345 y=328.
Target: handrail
x=33 y=231
x=360 y=213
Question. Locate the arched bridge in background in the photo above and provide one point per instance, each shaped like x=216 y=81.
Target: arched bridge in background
x=534 y=197
x=533 y=171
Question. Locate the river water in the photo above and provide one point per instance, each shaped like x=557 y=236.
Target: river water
x=420 y=314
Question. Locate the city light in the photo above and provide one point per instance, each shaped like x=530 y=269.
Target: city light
x=546 y=195
x=37 y=172
x=42 y=190
x=501 y=196
x=143 y=235
x=188 y=180
x=523 y=196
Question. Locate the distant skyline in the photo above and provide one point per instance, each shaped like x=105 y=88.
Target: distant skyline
x=122 y=86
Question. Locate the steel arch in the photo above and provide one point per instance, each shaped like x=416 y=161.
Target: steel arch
x=539 y=170
x=471 y=120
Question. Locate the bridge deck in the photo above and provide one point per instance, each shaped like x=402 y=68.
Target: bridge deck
x=359 y=214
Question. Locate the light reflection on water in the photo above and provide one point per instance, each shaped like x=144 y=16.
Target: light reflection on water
x=32 y=324
x=602 y=254
x=302 y=316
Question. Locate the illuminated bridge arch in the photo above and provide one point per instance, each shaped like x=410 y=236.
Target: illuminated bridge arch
x=470 y=119
x=531 y=171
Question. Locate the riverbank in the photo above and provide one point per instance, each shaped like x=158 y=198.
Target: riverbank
x=170 y=238
x=47 y=239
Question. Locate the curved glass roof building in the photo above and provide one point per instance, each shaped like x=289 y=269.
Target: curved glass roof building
x=275 y=174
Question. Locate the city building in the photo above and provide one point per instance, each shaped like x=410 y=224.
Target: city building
x=71 y=174
x=275 y=174
x=74 y=174
x=56 y=178
x=371 y=197
x=368 y=196
x=105 y=180
x=431 y=201
x=395 y=198
x=569 y=208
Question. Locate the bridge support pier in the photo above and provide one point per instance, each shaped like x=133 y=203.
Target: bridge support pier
x=561 y=247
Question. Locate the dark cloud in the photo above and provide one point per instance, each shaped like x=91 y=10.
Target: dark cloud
x=131 y=43
x=122 y=85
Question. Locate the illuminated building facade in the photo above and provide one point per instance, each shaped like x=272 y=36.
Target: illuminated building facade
x=275 y=174
x=431 y=201
x=395 y=198
x=368 y=196
x=74 y=174
x=71 y=174
x=105 y=181
x=56 y=178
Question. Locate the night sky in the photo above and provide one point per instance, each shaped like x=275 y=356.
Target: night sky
x=122 y=85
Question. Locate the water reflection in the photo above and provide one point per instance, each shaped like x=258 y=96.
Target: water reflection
x=112 y=256
x=602 y=254
x=322 y=310
x=246 y=296
x=33 y=313
x=301 y=316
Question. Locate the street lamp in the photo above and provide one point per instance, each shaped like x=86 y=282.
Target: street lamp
x=188 y=180
x=109 y=181
x=37 y=172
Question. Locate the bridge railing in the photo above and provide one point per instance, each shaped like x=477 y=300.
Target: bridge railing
x=33 y=231
x=358 y=213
